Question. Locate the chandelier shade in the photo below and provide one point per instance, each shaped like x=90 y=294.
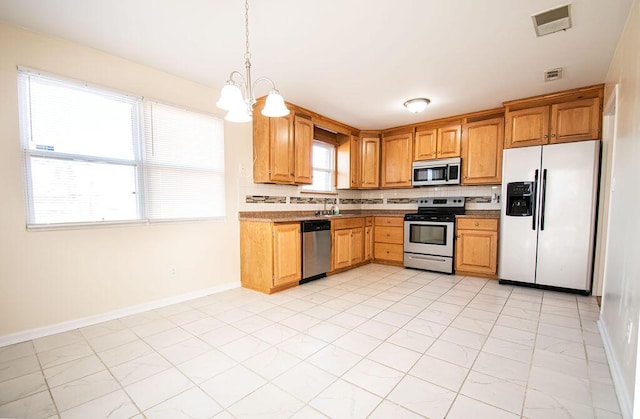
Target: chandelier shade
x=239 y=104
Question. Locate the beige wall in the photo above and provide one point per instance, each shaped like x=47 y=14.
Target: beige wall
x=47 y=277
x=621 y=297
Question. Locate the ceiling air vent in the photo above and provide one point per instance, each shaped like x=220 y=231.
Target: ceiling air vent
x=552 y=20
x=551 y=75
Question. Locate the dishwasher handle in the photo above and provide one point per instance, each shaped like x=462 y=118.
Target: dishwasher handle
x=315 y=225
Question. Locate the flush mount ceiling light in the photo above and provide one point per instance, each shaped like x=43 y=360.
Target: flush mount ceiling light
x=417 y=105
x=240 y=109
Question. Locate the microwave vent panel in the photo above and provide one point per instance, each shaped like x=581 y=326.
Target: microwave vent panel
x=552 y=20
x=551 y=75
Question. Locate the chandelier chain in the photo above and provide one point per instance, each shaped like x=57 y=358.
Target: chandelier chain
x=247 y=54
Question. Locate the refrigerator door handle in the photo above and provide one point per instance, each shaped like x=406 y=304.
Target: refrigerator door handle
x=535 y=200
x=543 y=198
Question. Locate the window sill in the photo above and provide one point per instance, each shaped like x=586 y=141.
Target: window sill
x=114 y=224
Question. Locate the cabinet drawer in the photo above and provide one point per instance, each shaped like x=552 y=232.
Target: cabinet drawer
x=393 y=235
x=390 y=221
x=344 y=223
x=387 y=251
x=490 y=224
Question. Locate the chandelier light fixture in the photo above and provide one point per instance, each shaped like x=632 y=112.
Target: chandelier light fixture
x=417 y=105
x=239 y=107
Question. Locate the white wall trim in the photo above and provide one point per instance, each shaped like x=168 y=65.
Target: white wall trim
x=624 y=398
x=99 y=318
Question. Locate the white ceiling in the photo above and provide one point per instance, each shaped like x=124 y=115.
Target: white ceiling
x=355 y=61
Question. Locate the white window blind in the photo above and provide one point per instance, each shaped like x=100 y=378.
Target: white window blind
x=323 y=157
x=88 y=152
x=184 y=165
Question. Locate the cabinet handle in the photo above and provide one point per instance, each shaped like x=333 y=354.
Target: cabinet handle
x=477 y=224
x=457 y=237
x=553 y=135
x=546 y=136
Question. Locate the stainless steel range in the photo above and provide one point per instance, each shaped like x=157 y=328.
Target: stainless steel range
x=429 y=234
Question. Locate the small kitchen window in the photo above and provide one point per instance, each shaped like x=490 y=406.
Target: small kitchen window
x=323 y=157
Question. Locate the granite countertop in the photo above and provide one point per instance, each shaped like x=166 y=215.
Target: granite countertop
x=295 y=216
x=480 y=214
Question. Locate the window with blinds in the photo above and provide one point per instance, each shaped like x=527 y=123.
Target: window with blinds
x=94 y=156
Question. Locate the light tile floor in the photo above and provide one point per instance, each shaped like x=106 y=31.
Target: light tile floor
x=376 y=341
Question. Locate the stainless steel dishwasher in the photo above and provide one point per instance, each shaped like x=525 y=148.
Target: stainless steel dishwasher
x=316 y=249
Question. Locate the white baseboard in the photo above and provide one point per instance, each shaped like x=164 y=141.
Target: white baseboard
x=99 y=318
x=624 y=397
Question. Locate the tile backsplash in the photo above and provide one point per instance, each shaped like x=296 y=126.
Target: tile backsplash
x=267 y=197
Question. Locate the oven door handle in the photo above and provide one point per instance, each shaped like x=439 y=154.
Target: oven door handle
x=436 y=259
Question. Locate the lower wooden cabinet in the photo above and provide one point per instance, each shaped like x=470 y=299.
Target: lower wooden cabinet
x=477 y=247
x=389 y=240
x=368 y=239
x=270 y=255
x=348 y=242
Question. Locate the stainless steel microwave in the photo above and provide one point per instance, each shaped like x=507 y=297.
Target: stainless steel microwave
x=436 y=172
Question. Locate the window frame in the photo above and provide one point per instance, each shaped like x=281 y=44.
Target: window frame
x=138 y=163
x=332 y=171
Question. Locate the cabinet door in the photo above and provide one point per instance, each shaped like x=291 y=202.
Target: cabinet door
x=357 y=246
x=448 y=142
x=354 y=161
x=527 y=127
x=287 y=266
x=425 y=145
x=282 y=149
x=482 y=152
x=341 y=248
x=303 y=134
x=368 y=243
x=575 y=121
x=370 y=162
x=396 y=161
x=477 y=251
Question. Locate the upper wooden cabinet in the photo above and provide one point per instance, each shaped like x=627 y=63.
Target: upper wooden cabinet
x=437 y=143
x=359 y=162
x=575 y=121
x=347 y=168
x=573 y=115
x=482 y=152
x=281 y=148
x=303 y=145
x=370 y=162
x=397 y=151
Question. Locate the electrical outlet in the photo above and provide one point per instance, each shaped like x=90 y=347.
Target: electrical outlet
x=172 y=271
x=629 y=331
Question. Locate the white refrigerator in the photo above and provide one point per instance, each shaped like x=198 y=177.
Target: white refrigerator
x=548 y=217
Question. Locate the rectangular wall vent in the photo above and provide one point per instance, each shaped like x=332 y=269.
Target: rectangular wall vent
x=551 y=75
x=552 y=20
